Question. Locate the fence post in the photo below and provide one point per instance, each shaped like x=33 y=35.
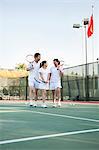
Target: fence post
x=69 y=90
x=62 y=89
x=26 y=88
x=87 y=87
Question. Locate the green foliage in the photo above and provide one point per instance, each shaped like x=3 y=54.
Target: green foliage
x=20 y=66
x=5 y=91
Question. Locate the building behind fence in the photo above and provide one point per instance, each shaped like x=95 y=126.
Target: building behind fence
x=73 y=83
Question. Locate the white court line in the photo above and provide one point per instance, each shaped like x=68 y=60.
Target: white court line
x=66 y=116
x=48 y=136
x=8 y=111
x=56 y=115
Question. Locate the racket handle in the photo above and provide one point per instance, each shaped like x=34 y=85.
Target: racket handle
x=30 y=68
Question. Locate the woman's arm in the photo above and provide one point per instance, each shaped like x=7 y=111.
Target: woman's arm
x=49 y=76
x=41 y=76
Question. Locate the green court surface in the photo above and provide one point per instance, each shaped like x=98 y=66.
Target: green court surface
x=71 y=127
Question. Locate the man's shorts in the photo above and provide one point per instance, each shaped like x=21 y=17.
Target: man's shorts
x=44 y=86
x=33 y=83
x=55 y=85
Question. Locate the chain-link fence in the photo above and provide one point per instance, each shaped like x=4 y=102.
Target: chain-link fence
x=13 y=88
x=17 y=89
x=73 y=83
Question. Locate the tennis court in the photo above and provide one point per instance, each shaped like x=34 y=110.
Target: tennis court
x=72 y=127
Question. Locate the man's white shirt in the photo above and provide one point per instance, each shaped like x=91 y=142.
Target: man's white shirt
x=55 y=74
x=34 y=71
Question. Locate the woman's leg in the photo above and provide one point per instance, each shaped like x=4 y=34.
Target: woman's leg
x=44 y=95
x=44 y=98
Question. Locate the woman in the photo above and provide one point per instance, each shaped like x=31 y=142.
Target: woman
x=44 y=75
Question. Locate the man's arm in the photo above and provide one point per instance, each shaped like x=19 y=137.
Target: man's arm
x=30 y=67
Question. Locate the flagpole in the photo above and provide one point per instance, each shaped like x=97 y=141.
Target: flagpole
x=86 y=68
x=93 y=55
x=92 y=41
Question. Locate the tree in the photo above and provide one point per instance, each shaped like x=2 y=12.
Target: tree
x=20 y=66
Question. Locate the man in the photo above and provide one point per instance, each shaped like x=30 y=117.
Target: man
x=55 y=81
x=33 y=77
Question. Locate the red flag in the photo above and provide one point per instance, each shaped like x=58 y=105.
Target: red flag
x=90 y=27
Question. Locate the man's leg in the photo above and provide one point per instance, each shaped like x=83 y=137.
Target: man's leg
x=31 y=95
x=35 y=95
x=54 y=97
x=48 y=94
x=58 y=96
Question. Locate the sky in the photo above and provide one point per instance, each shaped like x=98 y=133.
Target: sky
x=46 y=26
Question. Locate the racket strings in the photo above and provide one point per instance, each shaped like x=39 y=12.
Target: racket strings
x=30 y=58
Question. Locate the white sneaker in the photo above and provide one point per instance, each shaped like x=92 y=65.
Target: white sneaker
x=54 y=105
x=59 y=104
x=34 y=105
x=44 y=106
x=31 y=104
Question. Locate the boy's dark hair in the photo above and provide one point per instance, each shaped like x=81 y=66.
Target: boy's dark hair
x=36 y=55
x=42 y=63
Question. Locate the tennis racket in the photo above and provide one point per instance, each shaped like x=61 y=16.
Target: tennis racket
x=30 y=58
x=61 y=63
x=39 y=81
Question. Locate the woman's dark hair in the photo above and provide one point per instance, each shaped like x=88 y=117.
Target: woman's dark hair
x=57 y=61
x=42 y=63
x=36 y=55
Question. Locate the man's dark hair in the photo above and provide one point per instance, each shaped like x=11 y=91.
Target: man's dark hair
x=36 y=55
x=42 y=63
x=57 y=61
